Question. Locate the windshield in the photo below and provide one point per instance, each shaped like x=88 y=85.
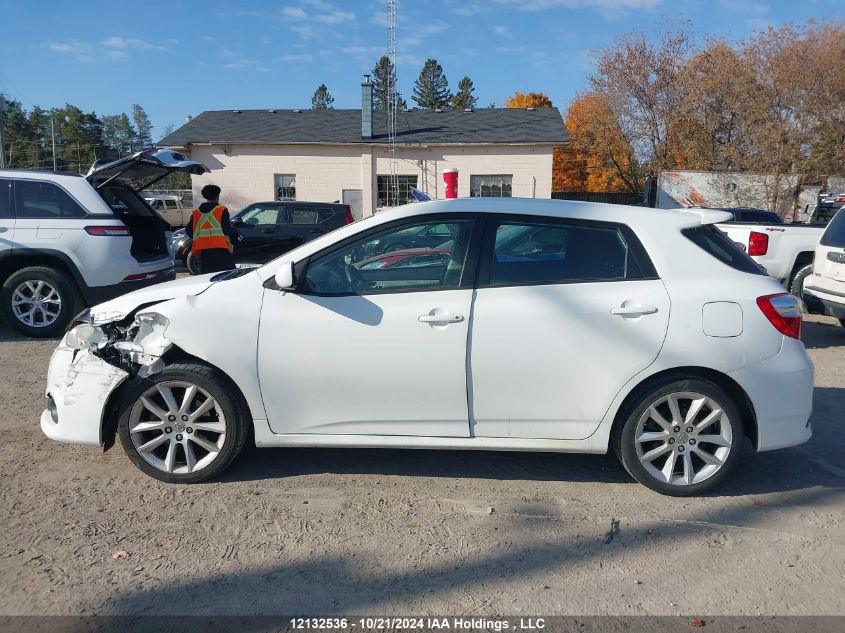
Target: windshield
x=834 y=235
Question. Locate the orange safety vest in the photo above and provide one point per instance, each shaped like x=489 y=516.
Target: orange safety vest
x=208 y=230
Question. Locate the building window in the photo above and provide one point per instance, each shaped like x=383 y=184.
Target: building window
x=389 y=198
x=285 y=186
x=491 y=186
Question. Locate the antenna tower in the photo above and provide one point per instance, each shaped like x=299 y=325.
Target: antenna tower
x=393 y=184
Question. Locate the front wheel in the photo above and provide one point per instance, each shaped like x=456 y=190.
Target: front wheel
x=183 y=425
x=193 y=264
x=680 y=437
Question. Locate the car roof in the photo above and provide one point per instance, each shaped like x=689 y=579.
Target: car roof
x=300 y=202
x=574 y=209
x=38 y=174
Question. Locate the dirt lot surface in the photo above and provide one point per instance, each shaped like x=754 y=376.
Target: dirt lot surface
x=413 y=532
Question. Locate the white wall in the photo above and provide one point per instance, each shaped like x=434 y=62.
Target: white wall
x=245 y=172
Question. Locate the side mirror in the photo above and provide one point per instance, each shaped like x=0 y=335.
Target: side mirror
x=284 y=276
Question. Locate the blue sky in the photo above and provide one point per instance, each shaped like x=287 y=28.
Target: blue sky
x=179 y=58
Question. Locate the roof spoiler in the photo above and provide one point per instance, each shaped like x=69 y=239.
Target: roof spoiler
x=709 y=216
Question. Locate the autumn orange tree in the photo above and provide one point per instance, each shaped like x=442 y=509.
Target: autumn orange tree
x=528 y=100
x=599 y=157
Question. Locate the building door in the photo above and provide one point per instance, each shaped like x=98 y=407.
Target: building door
x=355 y=199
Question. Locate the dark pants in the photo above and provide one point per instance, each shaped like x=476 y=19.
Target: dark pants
x=214 y=260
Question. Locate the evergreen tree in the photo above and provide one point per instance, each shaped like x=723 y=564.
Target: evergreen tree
x=322 y=99
x=143 y=127
x=118 y=135
x=383 y=72
x=464 y=98
x=431 y=89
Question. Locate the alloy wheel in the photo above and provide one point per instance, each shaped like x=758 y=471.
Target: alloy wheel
x=683 y=438
x=36 y=303
x=177 y=427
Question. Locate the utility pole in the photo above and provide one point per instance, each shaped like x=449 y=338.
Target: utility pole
x=53 y=137
x=2 y=123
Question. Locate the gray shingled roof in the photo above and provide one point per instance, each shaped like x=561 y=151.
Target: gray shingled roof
x=489 y=125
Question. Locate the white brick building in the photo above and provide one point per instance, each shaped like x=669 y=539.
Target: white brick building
x=332 y=155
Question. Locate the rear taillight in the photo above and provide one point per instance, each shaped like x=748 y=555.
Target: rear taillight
x=758 y=243
x=349 y=217
x=840 y=199
x=784 y=312
x=119 y=231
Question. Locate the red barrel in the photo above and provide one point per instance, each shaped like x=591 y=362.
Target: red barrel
x=450 y=177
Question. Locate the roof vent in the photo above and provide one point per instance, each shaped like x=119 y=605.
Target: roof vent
x=530 y=109
x=236 y=111
x=467 y=109
x=297 y=111
x=271 y=111
x=438 y=109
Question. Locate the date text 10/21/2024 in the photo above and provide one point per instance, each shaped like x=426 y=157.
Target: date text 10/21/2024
x=417 y=623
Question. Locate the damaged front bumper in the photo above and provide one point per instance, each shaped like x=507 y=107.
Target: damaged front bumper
x=85 y=370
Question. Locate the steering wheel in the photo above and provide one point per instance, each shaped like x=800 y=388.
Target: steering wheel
x=354 y=277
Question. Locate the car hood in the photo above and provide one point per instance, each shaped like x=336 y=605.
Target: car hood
x=122 y=306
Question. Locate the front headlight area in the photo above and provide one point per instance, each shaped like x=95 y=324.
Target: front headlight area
x=135 y=344
x=86 y=336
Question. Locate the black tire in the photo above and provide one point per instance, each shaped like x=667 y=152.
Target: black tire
x=842 y=322
x=65 y=287
x=623 y=443
x=193 y=263
x=796 y=287
x=231 y=402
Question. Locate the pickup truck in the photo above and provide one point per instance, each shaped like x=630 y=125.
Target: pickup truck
x=175 y=211
x=784 y=250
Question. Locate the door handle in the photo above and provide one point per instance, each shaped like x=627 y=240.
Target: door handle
x=633 y=310
x=440 y=318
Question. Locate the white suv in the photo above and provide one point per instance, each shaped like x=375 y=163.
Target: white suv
x=67 y=241
x=824 y=290
x=536 y=325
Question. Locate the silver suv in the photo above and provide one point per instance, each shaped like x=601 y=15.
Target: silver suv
x=68 y=241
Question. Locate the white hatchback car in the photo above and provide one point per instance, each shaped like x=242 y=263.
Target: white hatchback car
x=536 y=325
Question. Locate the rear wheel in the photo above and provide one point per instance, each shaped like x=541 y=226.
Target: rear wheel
x=39 y=301
x=183 y=425
x=796 y=288
x=680 y=437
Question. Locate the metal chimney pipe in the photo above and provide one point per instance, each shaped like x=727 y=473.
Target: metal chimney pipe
x=366 y=108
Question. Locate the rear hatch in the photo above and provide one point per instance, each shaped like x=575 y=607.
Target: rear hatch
x=119 y=183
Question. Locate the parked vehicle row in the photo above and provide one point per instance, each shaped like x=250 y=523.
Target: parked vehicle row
x=538 y=325
x=68 y=241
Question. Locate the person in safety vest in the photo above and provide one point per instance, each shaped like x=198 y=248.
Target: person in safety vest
x=211 y=230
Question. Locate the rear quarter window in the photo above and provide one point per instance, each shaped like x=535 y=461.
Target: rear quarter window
x=834 y=235
x=723 y=248
x=44 y=200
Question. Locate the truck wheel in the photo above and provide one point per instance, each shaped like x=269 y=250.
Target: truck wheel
x=797 y=285
x=39 y=301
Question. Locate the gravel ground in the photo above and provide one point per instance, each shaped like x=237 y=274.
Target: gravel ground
x=413 y=532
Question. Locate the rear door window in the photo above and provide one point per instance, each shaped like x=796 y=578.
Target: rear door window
x=834 y=235
x=556 y=252
x=723 y=248
x=42 y=199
